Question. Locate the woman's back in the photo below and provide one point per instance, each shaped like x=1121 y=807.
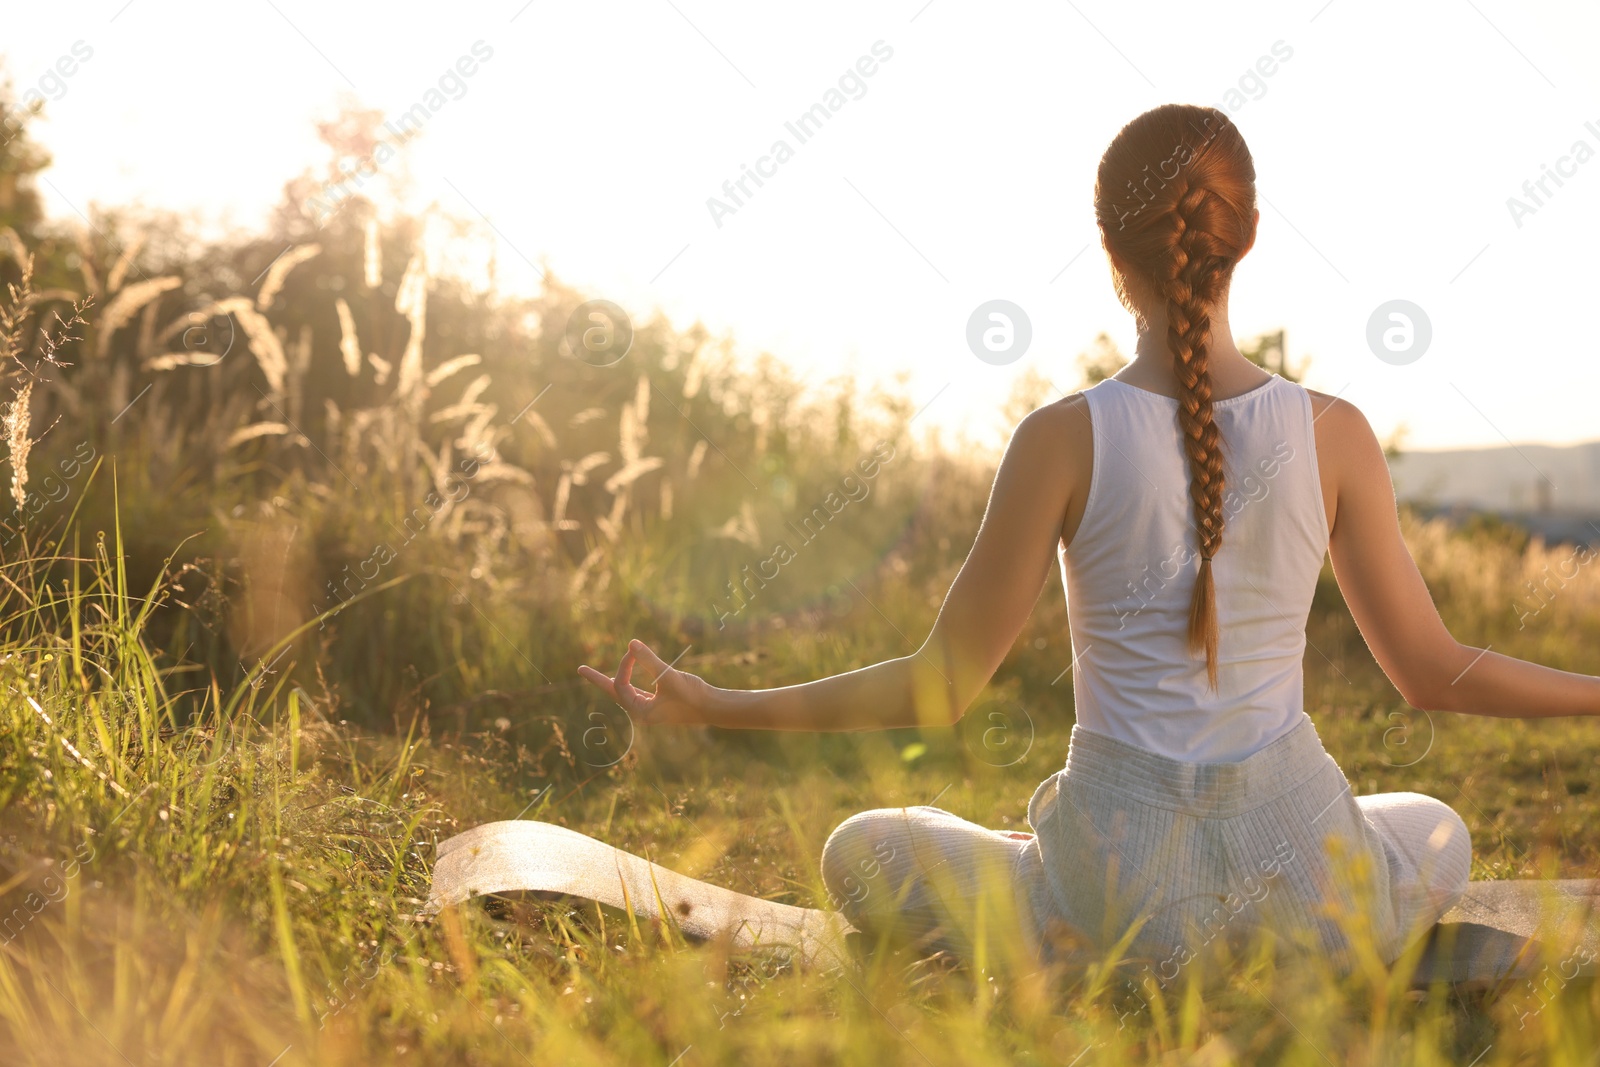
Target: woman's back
x=1196 y=799
x=1130 y=571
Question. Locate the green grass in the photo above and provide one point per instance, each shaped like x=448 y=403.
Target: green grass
x=229 y=875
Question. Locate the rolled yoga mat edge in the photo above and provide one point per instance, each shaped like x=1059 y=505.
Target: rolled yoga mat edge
x=523 y=855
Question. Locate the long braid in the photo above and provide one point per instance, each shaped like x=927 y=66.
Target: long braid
x=1194 y=277
x=1175 y=202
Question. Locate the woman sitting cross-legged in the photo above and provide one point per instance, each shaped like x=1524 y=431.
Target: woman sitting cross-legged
x=1191 y=500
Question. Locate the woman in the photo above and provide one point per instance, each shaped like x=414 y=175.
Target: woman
x=1192 y=498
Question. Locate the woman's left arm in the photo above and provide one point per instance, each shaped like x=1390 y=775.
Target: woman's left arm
x=983 y=613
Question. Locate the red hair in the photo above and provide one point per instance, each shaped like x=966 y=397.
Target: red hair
x=1175 y=199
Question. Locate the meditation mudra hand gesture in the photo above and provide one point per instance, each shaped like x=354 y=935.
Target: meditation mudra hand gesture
x=678 y=695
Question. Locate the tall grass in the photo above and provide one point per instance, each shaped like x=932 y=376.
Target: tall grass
x=199 y=874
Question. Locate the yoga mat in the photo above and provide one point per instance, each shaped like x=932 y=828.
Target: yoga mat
x=1493 y=933
x=1486 y=938
x=520 y=855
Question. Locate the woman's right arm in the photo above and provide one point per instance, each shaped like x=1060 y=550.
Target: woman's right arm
x=1393 y=608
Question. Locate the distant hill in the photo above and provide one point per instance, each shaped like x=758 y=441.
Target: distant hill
x=1552 y=490
x=1505 y=478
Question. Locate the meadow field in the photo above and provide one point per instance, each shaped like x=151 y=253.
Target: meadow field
x=307 y=537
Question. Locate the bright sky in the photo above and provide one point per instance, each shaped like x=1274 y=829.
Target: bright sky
x=1387 y=144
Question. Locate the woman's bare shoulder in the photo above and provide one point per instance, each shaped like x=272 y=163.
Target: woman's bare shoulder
x=1056 y=431
x=1346 y=442
x=1067 y=417
x=1335 y=415
x=1056 y=442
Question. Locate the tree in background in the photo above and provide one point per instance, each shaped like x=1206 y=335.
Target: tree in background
x=20 y=159
x=1102 y=361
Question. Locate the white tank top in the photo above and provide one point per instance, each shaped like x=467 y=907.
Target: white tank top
x=1131 y=567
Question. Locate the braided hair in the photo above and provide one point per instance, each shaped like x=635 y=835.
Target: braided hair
x=1175 y=201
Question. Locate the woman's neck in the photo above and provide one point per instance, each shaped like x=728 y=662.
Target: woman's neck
x=1230 y=371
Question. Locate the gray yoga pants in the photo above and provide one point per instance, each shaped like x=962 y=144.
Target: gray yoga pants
x=1171 y=853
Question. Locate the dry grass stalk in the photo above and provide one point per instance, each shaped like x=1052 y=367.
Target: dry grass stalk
x=45 y=296
x=381 y=367
x=408 y=383
x=254 y=430
x=558 y=513
x=17 y=439
x=580 y=470
x=611 y=525
x=411 y=300
x=125 y=305
x=501 y=471
x=475 y=438
x=349 y=345
x=299 y=363
x=119 y=270
x=697 y=456
x=147 y=330
x=280 y=270
x=580 y=577
x=173 y=360
x=91 y=280
x=264 y=343
x=17 y=351
x=632 y=428
x=741 y=527
x=12 y=245
x=372 y=262
x=542 y=428
x=467 y=405
x=451 y=367
x=694 y=376
x=632 y=472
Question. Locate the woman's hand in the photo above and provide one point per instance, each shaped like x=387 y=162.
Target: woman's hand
x=679 y=698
